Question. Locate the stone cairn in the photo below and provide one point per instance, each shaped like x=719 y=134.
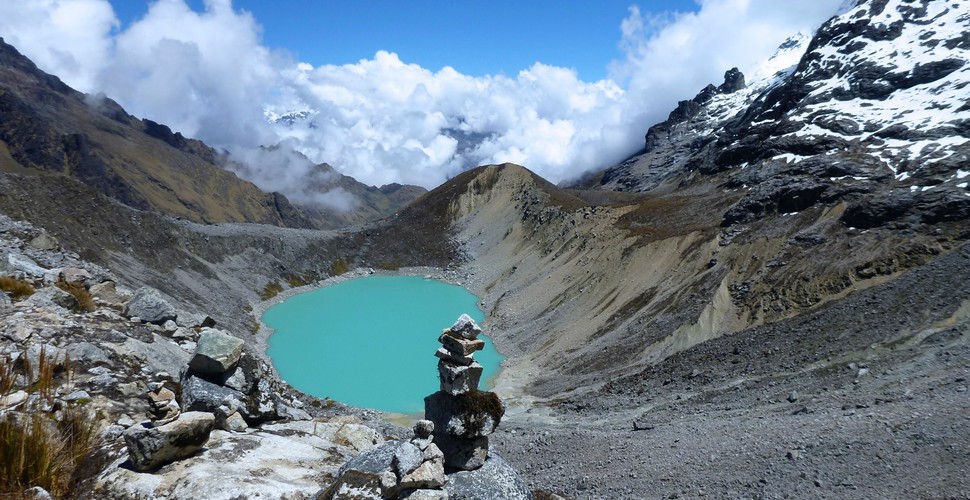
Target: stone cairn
x=463 y=416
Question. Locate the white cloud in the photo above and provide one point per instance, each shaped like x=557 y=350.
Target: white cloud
x=70 y=38
x=382 y=120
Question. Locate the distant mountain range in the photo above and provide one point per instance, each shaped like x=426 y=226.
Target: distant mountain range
x=50 y=129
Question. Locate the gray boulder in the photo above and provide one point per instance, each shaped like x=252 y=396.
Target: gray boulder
x=88 y=353
x=5 y=300
x=152 y=447
x=52 y=297
x=369 y=472
x=493 y=480
x=44 y=242
x=109 y=293
x=148 y=304
x=256 y=405
x=216 y=352
x=18 y=263
x=190 y=320
x=76 y=275
x=199 y=394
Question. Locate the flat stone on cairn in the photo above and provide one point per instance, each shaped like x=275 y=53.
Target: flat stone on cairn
x=463 y=416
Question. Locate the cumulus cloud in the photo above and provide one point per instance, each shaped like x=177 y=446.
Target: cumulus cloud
x=70 y=38
x=208 y=75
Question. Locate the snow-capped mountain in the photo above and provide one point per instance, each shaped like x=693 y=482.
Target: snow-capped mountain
x=875 y=113
x=289 y=117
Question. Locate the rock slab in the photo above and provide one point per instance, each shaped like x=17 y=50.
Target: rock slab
x=152 y=447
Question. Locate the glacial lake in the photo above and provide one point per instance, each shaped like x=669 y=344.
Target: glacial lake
x=370 y=341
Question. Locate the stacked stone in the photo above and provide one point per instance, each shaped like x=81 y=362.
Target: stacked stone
x=463 y=416
x=162 y=406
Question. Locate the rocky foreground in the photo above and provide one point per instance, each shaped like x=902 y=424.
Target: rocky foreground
x=182 y=409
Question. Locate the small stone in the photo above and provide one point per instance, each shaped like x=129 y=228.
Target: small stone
x=458 y=345
x=793 y=396
x=36 y=493
x=432 y=452
x=112 y=432
x=77 y=396
x=793 y=455
x=454 y=357
x=695 y=373
x=169 y=327
x=425 y=495
x=235 y=423
x=429 y=474
x=161 y=395
x=466 y=327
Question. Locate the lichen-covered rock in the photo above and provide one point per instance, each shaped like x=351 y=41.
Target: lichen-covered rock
x=148 y=304
x=152 y=447
x=469 y=415
x=494 y=479
x=216 y=352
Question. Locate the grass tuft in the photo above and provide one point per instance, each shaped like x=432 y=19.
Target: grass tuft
x=84 y=299
x=18 y=289
x=339 y=267
x=272 y=289
x=42 y=448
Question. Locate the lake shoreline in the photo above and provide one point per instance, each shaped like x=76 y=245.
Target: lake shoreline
x=444 y=276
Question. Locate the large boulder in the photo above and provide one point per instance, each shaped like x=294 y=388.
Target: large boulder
x=216 y=352
x=244 y=389
x=152 y=447
x=109 y=293
x=494 y=479
x=21 y=264
x=149 y=305
x=389 y=470
x=44 y=242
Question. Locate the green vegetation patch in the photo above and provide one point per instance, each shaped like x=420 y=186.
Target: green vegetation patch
x=272 y=289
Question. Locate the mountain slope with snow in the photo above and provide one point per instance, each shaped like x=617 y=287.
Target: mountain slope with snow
x=875 y=114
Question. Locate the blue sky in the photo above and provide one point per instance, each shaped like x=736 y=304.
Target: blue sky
x=392 y=91
x=475 y=37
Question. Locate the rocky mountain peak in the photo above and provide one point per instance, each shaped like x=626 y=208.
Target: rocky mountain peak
x=874 y=109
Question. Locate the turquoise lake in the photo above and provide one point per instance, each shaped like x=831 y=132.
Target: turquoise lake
x=370 y=342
